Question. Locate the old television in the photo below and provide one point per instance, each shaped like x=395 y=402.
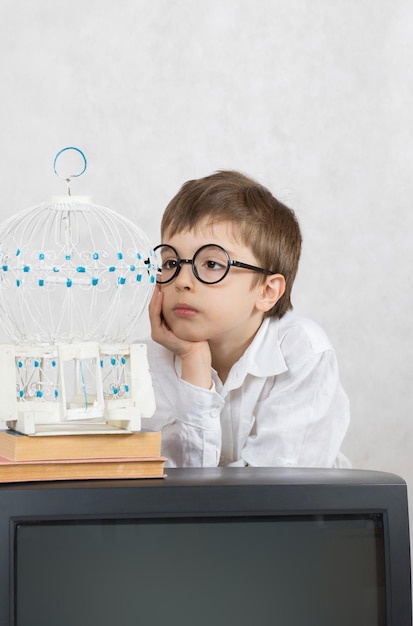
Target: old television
x=208 y=547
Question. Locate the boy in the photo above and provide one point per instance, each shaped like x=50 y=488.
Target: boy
x=239 y=379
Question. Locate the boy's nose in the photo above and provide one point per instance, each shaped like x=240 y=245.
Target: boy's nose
x=185 y=278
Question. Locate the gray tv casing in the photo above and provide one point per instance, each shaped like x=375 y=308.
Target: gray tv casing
x=216 y=493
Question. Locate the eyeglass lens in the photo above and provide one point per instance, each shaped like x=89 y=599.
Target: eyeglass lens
x=210 y=263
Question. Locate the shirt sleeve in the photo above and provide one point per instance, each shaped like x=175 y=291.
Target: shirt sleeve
x=303 y=414
x=188 y=416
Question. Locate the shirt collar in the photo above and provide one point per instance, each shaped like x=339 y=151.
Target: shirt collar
x=263 y=357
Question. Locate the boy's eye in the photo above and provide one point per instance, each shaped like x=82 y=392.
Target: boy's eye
x=169 y=264
x=211 y=264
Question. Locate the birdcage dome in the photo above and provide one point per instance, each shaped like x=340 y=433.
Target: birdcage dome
x=71 y=270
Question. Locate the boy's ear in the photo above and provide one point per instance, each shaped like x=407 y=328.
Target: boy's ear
x=270 y=292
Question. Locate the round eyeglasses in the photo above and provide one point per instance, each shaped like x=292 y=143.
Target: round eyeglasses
x=210 y=264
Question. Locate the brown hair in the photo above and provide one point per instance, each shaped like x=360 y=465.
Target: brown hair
x=267 y=226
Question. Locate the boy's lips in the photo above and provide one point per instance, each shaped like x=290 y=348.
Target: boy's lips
x=184 y=310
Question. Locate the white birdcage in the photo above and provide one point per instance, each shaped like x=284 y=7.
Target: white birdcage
x=75 y=278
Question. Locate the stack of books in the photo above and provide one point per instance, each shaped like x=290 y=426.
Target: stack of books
x=80 y=457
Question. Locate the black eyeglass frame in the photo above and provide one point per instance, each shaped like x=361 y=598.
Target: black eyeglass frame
x=230 y=263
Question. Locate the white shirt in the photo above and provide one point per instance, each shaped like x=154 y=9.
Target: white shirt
x=282 y=404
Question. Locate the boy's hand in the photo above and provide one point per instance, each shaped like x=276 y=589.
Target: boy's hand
x=195 y=355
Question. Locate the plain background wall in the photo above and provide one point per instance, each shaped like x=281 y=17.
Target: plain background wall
x=314 y=98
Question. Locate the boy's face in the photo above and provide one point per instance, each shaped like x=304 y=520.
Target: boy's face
x=222 y=313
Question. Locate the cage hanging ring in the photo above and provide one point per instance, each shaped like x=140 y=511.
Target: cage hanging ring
x=67 y=178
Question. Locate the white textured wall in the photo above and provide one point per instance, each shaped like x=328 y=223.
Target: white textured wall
x=312 y=97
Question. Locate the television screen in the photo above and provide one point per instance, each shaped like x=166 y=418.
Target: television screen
x=208 y=547
x=203 y=572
